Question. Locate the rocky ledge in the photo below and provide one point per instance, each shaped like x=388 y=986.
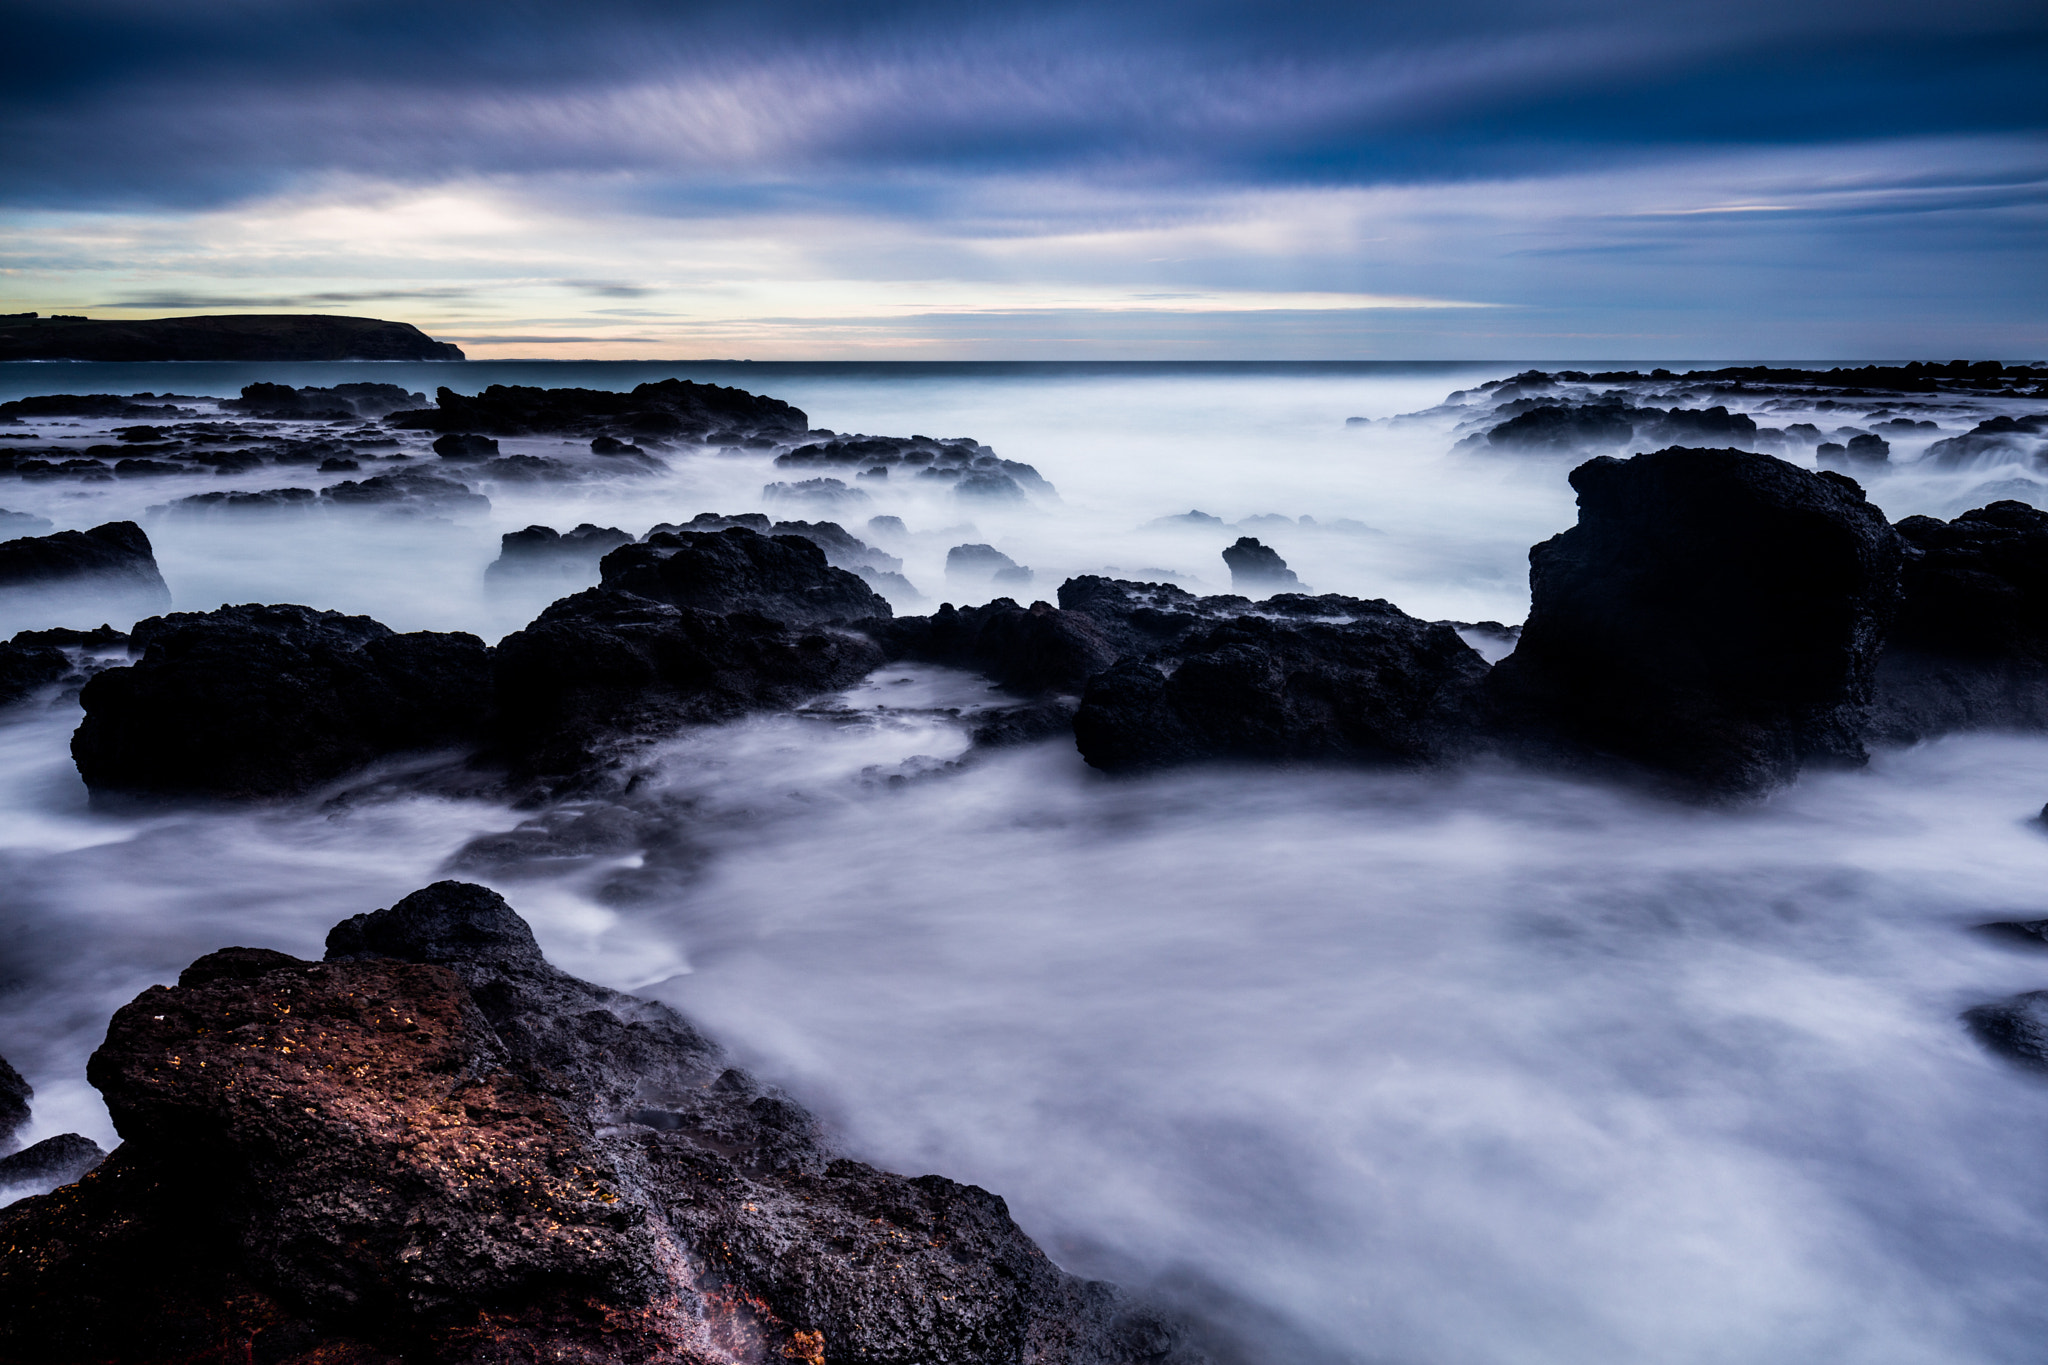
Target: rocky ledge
x=434 y=1146
x=227 y=336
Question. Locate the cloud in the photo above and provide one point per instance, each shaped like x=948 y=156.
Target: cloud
x=610 y=289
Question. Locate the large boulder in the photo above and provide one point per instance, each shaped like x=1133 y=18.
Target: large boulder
x=1969 y=649
x=115 y=556
x=1381 y=689
x=1256 y=567
x=1714 y=619
x=434 y=1146
x=787 y=578
x=271 y=701
x=1028 y=650
x=610 y=665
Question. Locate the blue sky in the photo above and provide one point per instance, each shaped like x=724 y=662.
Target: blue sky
x=1462 y=179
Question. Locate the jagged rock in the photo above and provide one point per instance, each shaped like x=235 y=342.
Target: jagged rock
x=407 y=490
x=1969 y=648
x=464 y=445
x=1714 y=618
x=1863 y=452
x=115 y=556
x=543 y=549
x=1029 y=651
x=1563 y=429
x=783 y=577
x=1383 y=688
x=52 y=1162
x=824 y=495
x=977 y=471
x=1257 y=568
x=26 y=668
x=673 y=409
x=607 y=445
x=976 y=564
x=1993 y=440
x=271 y=701
x=342 y=402
x=235 y=501
x=2016 y=1029
x=608 y=665
x=15 y=1093
x=101 y=405
x=435 y=1146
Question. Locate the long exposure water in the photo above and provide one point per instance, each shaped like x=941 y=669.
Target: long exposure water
x=1472 y=1066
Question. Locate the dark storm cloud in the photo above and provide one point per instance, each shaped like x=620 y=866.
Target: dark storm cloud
x=124 y=101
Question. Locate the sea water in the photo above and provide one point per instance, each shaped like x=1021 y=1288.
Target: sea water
x=1471 y=1066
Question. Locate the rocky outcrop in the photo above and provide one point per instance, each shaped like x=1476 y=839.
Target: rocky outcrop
x=1381 y=689
x=434 y=1146
x=271 y=701
x=1258 y=568
x=542 y=550
x=25 y=669
x=671 y=410
x=738 y=570
x=973 y=470
x=338 y=403
x=1969 y=647
x=44 y=1165
x=1028 y=650
x=1714 y=619
x=1995 y=440
x=232 y=336
x=116 y=557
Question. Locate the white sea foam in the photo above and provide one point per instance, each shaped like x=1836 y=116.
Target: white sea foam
x=1477 y=1066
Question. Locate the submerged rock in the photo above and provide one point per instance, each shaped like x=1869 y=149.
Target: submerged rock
x=1714 y=619
x=435 y=1146
x=271 y=701
x=2016 y=1029
x=544 y=550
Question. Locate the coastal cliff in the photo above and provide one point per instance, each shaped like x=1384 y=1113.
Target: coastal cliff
x=231 y=336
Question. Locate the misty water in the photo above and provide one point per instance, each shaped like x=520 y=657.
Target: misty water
x=1471 y=1066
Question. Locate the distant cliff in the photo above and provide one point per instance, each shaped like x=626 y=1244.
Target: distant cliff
x=233 y=336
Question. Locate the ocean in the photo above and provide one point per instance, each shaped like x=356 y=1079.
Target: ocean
x=1475 y=1065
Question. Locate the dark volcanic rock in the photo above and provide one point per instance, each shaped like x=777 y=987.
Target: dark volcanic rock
x=15 y=1094
x=543 y=549
x=1384 y=688
x=674 y=409
x=436 y=1147
x=271 y=701
x=975 y=471
x=1994 y=440
x=253 y=336
x=116 y=556
x=342 y=402
x=463 y=445
x=608 y=665
x=2016 y=1029
x=17 y=524
x=1969 y=649
x=1258 y=568
x=1714 y=618
x=1028 y=650
x=786 y=578
x=25 y=668
x=1564 y=429
x=408 y=490
x=141 y=405
x=52 y=1162
x=975 y=564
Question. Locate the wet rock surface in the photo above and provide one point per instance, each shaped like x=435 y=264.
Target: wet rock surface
x=116 y=555
x=785 y=577
x=266 y=701
x=1382 y=689
x=1714 y=619
x=1969 y=647
x=434 y=1146
x=672 y=409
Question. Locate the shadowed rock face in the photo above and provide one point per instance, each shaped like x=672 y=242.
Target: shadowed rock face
x=1383 y=689
x=1257 y=567
x=117 y=555
x=786 y=578
x=435 y=1146
x=1714 y=618
x=673 y=409
x=267 y=701
x=1969 y=649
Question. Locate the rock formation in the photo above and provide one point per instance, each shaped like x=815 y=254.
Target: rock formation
x=232 y=336
x=673 y=409
x=434 y=1146
x=1714 y=619
x=116 y=556
x=268 y=701
x=1258 y=568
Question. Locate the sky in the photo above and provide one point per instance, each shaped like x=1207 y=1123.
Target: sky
x=1193 y=179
